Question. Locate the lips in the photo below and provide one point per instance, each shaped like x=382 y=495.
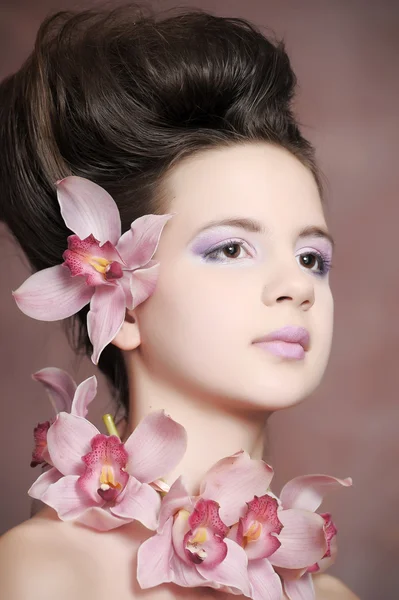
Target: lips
x=289 y=334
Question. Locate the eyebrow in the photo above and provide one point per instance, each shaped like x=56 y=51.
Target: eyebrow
x=256 y=227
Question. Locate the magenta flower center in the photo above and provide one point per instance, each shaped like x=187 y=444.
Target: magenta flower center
x=110 y=487
x=105 y=475
x=194 y=546
x=99 y=264
x=39 y=453
x=252 y=533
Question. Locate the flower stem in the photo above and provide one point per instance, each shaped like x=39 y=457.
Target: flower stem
x=110 y=425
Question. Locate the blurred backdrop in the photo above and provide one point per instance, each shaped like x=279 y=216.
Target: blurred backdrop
x=345 y=54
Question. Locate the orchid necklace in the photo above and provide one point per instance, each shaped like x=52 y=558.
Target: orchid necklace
x=235 y=535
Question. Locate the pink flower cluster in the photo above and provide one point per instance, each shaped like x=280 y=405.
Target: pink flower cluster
x=235 y=535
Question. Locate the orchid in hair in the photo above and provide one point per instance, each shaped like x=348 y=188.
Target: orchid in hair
x=301 y=497
x=112 y=272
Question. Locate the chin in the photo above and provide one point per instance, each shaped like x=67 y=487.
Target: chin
x=275 y=391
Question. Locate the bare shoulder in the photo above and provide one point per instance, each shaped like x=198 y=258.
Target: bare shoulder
x=328 y=587
x=39 y=562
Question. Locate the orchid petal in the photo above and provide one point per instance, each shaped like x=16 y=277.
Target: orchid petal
x=105 y=318
x=138 y=245
x=265 y=583
x=232 y=571
x=186 y=575
x=87 y=208
x=140 y=502
x=59 y=385
x=176 y=499
x=143 y=283
x=125 y=284
x=52 y=294
x=68 y=439
x=100 y=519
x=43 y=482
x=300 y=589
x=155 y=447
x=154 y=558
x=67 y=499
x=326 y=562
x=302 y=539
x=179 y=530
x=85 y=393
x=233 y=481
x=307 y=491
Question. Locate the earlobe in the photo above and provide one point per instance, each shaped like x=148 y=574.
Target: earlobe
x=128 y=337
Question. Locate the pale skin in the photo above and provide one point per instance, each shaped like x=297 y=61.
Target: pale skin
x=189 y=350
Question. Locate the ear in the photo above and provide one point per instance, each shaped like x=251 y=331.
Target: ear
x=128 y=337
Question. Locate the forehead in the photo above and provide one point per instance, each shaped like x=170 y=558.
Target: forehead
x=256 y=180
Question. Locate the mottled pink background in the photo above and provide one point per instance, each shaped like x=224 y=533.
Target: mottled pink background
x=345 y=53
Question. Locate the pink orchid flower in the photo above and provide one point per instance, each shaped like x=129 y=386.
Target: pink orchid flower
x=110 y=271
x=191 y=547
x=65 y=396
x=304 y=495
x=105 y=483
x=262 y=528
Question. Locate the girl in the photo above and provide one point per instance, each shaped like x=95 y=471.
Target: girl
x=187 y=115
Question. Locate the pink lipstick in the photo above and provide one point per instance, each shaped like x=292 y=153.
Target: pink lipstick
x=287 y=342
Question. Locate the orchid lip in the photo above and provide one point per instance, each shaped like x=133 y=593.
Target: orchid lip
x=290 y=334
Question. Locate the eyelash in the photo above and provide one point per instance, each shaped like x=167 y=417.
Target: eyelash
x=213 y=255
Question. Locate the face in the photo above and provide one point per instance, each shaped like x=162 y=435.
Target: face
x=243 y=256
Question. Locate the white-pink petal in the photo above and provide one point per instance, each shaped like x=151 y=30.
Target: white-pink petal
x=101 y=519
x=155 y=447
x=232 y=571
x=139 y=502
x=68 y=439
x=52 y=294
x=176 y=499
x=85 y=393
x=87 y=208
x=67 y=499
x=138 y=245
x=300 y=589
x=43 y=482
x=106 y=317
x=186 y=575
x=307 y=491
x=153 y=559
x=143 y=283
x=302 y=539
x=233 y=481
x=265 y=583
x=60 y=387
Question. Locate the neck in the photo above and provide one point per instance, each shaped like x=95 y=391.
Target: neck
x=214 y=428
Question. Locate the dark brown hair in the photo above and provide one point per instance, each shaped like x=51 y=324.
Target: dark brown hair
x=119 y=97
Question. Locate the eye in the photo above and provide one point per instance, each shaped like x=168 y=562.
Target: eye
x=226 y=252
x=315 y=262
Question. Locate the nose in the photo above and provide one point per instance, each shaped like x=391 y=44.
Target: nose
x=290 y=283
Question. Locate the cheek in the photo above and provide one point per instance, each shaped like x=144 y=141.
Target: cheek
x=195 y=311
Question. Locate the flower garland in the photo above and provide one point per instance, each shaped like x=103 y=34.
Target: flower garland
x=235 y=535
